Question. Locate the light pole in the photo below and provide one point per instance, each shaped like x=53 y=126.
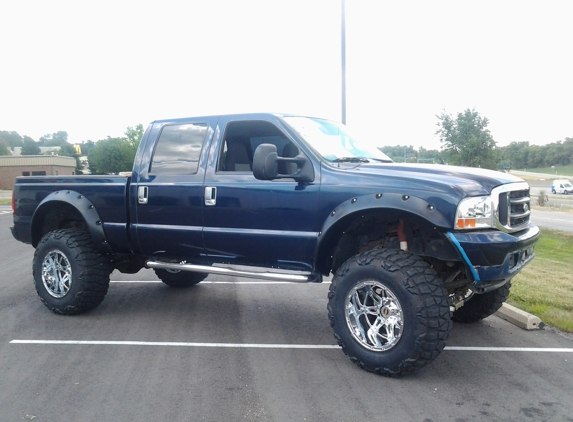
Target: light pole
x=343 y=58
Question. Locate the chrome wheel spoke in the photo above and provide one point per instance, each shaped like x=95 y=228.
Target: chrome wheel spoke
x=353 y=317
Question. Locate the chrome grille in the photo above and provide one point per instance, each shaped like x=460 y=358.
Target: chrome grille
x=513 y=206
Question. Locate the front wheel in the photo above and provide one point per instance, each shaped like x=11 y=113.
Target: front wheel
x=389 y=311
x=178 y=278
x=478 y=307
x=71 y=276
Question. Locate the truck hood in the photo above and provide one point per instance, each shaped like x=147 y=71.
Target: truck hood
x=464 y=181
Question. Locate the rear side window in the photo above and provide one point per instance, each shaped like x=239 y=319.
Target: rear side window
x=178 y=149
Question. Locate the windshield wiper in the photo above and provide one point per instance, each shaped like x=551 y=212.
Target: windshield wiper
x=380 y=160
x=351 y=160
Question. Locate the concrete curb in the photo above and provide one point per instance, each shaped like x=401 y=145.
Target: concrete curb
x=519 y=318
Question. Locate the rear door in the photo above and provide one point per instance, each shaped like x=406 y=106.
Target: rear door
x=168 y=191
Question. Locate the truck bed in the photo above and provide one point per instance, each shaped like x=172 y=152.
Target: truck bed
x=107 y=193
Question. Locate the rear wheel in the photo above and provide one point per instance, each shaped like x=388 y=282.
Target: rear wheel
x=178 y=278
x=71 y=276
x=478 y=307
x=389 y=311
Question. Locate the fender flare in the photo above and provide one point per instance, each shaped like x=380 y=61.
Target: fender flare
x=83 y=205
x=380 y=201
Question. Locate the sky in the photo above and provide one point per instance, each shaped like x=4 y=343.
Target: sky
x=94 y=68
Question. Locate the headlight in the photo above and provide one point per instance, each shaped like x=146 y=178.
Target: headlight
x=475 y=213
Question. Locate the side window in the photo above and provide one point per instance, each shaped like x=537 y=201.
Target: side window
x=241 y=139
x=178 y=149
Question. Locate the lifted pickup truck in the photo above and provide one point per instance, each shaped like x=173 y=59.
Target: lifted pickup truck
x=287 y=197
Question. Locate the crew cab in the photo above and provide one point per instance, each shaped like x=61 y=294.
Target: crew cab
x=410 y=247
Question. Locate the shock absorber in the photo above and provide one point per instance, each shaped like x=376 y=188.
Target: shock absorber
x=402 y=236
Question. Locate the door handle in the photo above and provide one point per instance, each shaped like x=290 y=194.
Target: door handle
x=142 y=193
x=210 y=196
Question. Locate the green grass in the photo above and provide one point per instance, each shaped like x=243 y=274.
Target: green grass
x=545 y=287
x=5 y=201
x=558 y=171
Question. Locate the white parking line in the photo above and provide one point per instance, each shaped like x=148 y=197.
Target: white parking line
x=511 y=349
x=276 y=346
x=179 y=344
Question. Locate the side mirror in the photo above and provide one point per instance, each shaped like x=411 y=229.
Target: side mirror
x=266 y=165
x=265 y=162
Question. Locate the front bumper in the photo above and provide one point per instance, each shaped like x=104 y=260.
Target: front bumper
x=495 y=257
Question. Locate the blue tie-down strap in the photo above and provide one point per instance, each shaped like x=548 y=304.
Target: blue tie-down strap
x=464 y=256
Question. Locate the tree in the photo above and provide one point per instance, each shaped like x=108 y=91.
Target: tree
x=67 y=150
x=516 y=154
x=57 y=139
x=30 y=147
x=134 y=135
x=4 y=150
x=400 y=153
x=568 y=149
x=12 y=138
x=467 y=141
x=87 y=146
x=111 y=155
x=429 y=155
x=536 y=156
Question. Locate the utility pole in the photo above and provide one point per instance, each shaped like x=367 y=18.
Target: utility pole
x=343 y=58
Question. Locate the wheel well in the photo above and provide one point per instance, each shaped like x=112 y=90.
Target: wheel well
x=55 y=215
x=377 y=229
x=69 y=209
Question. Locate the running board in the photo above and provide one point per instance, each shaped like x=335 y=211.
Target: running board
x=250 y=272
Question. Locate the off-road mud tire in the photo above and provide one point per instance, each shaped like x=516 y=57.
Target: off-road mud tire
x=86 y=272
x=478 y=307
x=416 y=290
x=179 y=279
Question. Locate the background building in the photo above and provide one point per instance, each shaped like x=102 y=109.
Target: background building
x=33 y=165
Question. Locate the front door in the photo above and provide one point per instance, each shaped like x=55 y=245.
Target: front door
x=257 y=222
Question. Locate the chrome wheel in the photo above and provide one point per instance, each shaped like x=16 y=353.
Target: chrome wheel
x=56 y=274
x=374 y=316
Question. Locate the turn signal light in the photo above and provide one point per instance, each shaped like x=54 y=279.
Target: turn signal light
x=466 y=223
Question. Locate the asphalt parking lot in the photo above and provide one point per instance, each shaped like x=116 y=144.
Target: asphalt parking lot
x=239 y=349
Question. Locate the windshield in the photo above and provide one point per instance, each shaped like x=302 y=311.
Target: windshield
x=332 y=141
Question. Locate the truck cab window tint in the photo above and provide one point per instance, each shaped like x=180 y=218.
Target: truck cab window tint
x=242 y=138
x=178 y=149
x=237 y=155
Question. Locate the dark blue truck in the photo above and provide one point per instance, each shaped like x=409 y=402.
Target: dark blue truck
x=294 y=198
